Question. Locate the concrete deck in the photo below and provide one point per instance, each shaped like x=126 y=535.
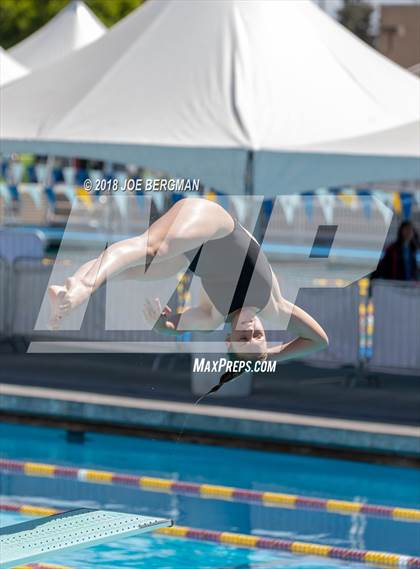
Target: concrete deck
x=300 y=405
x=211 y=419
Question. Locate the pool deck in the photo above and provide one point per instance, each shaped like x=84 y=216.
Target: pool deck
x=211 y=419
x=301 y=406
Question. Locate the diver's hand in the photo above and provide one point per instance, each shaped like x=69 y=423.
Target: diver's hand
x=157 y=316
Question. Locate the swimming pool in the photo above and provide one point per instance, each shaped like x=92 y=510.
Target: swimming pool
x=281 y=473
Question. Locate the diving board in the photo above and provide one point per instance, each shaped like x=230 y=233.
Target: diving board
x=44 y=537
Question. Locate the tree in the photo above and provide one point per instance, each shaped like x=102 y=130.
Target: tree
x=20 y=18
x=356 y=16
x=110 y=11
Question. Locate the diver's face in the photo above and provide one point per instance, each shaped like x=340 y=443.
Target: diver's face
x=247 y=337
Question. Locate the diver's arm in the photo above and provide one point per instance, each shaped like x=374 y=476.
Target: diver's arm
x=196 y=318
x=310 y=336
x=191 y=319
x=201 y=318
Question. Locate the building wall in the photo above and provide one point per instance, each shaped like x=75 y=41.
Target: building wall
x=399 y=34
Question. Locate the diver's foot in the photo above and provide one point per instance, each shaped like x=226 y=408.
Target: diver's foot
x=78 y=291
x=64 y=299
x=60 y=305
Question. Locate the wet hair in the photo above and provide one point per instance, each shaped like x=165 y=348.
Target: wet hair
x=233 y=356
x=230 y=375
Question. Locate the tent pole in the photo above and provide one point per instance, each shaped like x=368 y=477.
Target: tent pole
x=249 y=191
x=249 y=173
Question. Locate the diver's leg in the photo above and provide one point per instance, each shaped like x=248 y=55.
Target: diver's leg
x=58 y=295
x=156 y=271
x=178 y=230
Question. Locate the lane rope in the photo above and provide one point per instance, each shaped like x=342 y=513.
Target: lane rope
x=41 y=566
x=211 y=491
x=375 y=558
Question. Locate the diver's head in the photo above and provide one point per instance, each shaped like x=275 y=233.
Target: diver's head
x=246 y=339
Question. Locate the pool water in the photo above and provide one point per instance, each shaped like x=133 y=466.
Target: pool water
x=288 y=473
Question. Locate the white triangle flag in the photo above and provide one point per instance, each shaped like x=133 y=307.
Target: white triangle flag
x=240 y=205
x=17 y=172
x=383 y=201
x=327 y=202
x=69 y=175
x=289 y=204
x=41 y=172
x=95 y=176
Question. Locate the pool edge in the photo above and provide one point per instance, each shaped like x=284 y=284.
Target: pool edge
x=219 y=422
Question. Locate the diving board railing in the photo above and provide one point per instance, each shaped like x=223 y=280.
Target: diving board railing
x=76 y=529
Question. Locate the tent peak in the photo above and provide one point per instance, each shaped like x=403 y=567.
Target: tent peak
x=74 y=27
x=77 y=5
x=10 y=69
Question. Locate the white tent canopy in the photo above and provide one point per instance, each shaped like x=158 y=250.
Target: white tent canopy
x=197 y=88
x=403 y=140
x=10 y=70
x=74 y=27
x=415 y=69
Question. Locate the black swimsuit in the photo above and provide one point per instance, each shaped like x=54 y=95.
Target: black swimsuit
x=234 y=271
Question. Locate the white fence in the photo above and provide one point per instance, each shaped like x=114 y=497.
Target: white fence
x=28 y=284
x=337 y=311
x=396 y=335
